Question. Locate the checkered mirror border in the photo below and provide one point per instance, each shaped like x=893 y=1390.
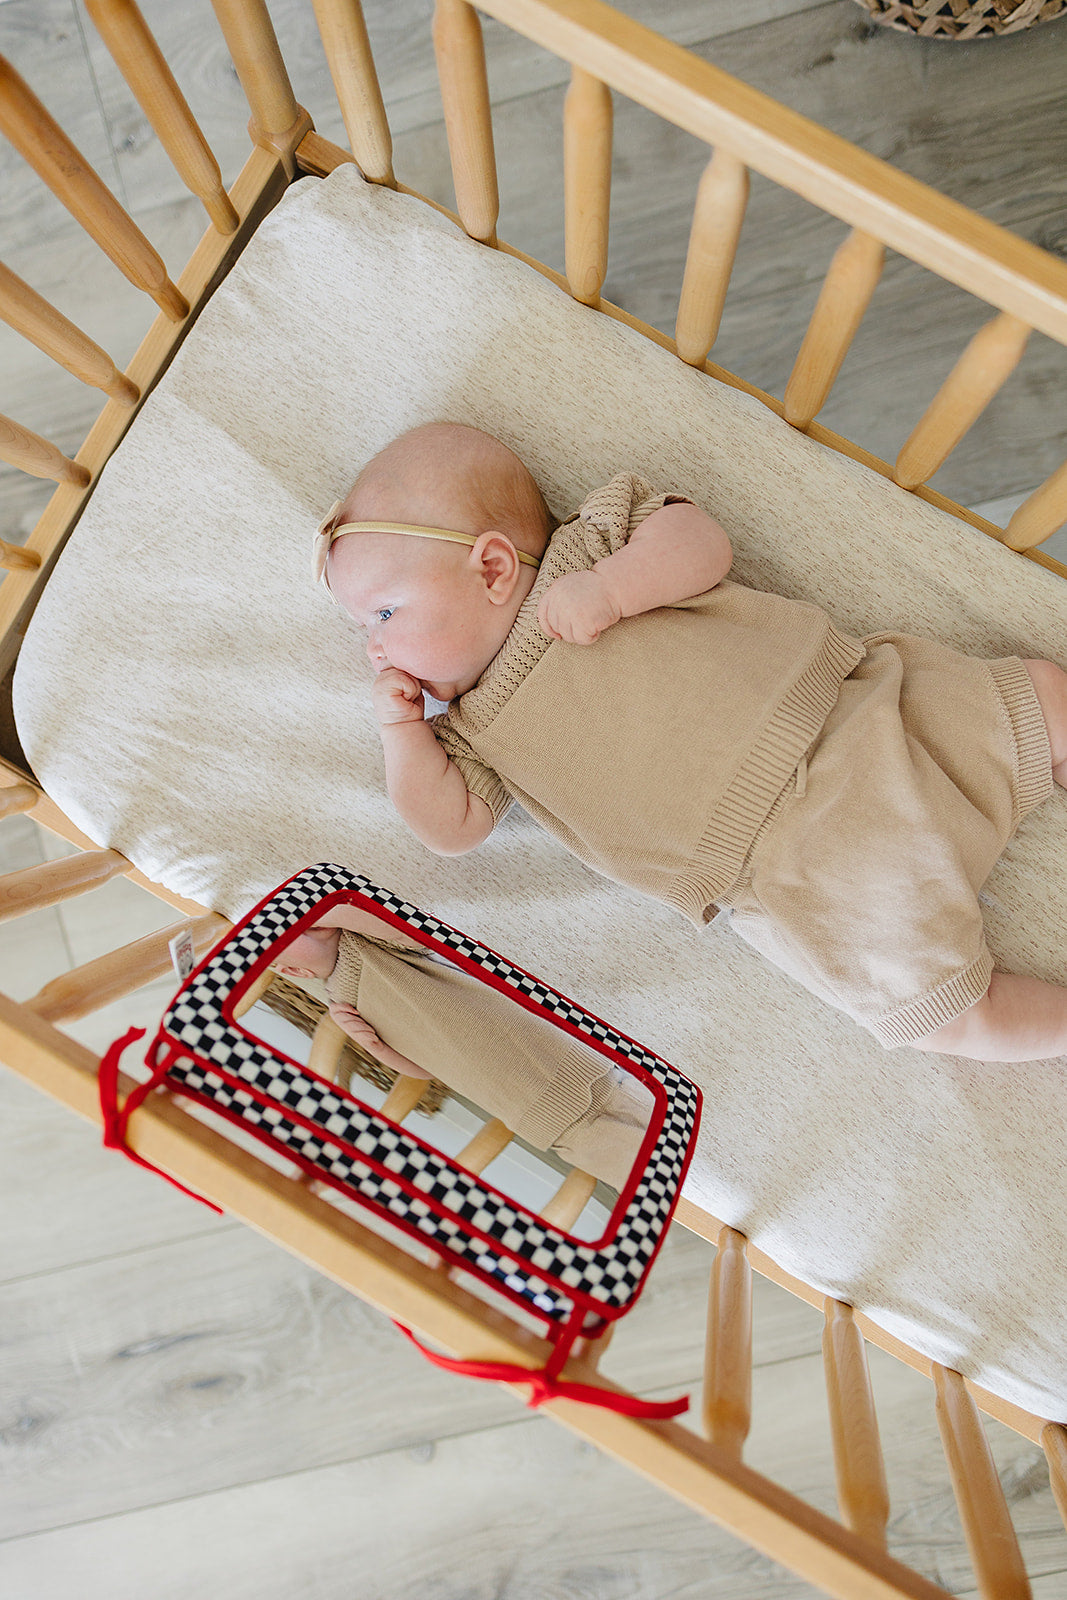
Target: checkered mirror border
x=379 y=1164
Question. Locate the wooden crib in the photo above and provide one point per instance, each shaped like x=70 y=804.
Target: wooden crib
x=1027 y=290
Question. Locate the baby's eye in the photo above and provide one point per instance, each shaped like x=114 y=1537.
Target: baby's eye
x=385 y=613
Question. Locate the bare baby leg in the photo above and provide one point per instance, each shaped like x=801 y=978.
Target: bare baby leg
x=1050 y=686
x=1018 y=1018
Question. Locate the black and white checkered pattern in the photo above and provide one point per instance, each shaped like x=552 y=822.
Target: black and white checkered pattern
x=375 y=1161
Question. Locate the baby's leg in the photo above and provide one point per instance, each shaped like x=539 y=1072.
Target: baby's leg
x=1050 y=686
x=1017 y=1019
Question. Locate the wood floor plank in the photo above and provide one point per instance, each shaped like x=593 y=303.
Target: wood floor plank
x=517 y=1510
x=186 y=1349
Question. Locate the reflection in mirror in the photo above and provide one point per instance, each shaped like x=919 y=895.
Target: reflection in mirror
x=544 y=1118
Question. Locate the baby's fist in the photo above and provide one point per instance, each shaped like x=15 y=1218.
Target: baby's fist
x=578 y=608
x=397 y=697
x=348 y=1018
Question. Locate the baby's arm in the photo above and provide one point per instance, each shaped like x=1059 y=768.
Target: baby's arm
x=425 y=786
x=678 y=551
x=348 y=1018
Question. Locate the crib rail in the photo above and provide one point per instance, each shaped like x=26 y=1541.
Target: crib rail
x=745 y=132
x=848 y=1558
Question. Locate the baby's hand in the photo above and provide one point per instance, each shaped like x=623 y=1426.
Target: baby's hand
x=578 y=608
x=348 y=1018
x=397 y=697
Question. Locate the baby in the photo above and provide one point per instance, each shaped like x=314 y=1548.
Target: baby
x=720 y=748
x=549 y=1088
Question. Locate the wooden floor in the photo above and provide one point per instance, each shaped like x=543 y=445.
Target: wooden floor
x=184 y=1409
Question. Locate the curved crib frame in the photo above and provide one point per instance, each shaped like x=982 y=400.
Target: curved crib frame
x=1027 y=289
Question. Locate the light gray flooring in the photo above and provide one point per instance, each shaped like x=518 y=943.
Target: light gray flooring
x=183 y=1407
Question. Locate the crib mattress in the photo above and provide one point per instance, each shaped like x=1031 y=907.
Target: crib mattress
x=190 y=698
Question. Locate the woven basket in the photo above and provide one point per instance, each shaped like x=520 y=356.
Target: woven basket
x=959 y=19
x=293 y=1003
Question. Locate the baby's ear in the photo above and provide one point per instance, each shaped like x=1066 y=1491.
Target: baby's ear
x=498 y=559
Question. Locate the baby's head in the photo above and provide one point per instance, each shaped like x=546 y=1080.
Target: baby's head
x=438 y=609
x=310 y=955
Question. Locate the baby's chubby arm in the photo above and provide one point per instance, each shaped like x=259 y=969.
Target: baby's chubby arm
x=424 y=785
x=678 y=551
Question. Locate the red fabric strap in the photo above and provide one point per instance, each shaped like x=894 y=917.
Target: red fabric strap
x=116 y=1119
x=544 y=1385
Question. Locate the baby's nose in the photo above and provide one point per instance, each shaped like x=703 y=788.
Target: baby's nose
x=375 y=653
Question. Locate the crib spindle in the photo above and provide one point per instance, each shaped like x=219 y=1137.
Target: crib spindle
x=1054 y=1443
x=460 y=52
x=994 y=1548
x=35 y=888
x=328 y=1044
x=16 y=559
x=278 y=123
x=843 y=299
x=492 y=1138
x=40 y=140
x=1041 y=514
x=403 y=1097
x=140 y=60
x=569 y=1200
x=255 y=991
x=355 y=79
x=988 y=361
x=17 y=796
x=719 y=211
x=86 y=988
x=23 y=309
x=587 y=134
x=862 y=1493
x=728 y=1353
x=30 y=453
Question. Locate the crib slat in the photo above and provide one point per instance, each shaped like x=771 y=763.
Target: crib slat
x=17 y=796
x=569 y=1200
x=355 y=80
x=30 y=453
x=862 y=1493
x=989 y=359
x=37 y=137
x=460 y=52
x=403 y=1097
x=16 y=559
x=86 y=988
x=328 y=1044
x=1041 y=514
x=587 y=134
x=728 y=1353
x=846 y=292
x=1054 y=1443
x=31 y=315
x=719 y=211
x=486 y=1145
x=255 y=991
x=278 y=123
x=34 y=888
x=994 y=1548
x=142 y=64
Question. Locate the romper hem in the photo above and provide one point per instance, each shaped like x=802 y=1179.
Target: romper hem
x=917 y=1020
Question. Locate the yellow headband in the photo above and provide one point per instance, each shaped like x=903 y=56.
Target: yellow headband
x=327 y=533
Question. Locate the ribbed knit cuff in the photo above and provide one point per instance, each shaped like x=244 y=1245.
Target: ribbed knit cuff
x=574 y=1072
x=947 y=1002
x=1033 y=781
x=343 y=982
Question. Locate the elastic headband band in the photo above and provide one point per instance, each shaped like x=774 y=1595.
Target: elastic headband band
x=326 y=535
